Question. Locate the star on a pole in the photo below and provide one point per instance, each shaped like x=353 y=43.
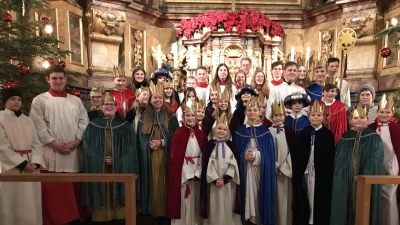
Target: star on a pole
x=347 y=38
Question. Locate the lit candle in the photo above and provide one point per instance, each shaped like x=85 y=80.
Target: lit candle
x=159 y=56
x=174 y=48
x=275 y=54
x=308 y=51
x=292 y=54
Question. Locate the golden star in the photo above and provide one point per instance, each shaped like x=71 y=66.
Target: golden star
x=347 y=38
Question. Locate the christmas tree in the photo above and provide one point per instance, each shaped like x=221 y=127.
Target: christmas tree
x=27 y=48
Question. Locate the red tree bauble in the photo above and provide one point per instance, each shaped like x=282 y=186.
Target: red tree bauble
x=7 y=17
x=11 y=84
x=45 y=20
x=23 y=68
x=385 y=52
x=50 y=60
x=76 y=93
x=62 y=64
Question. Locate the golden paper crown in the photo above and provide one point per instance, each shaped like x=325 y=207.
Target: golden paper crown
x=156 y=89
x=277 y=108
x=319 y=63
x=200 y=105
x=109 y=98
x=359 y=111
x=213 y=87
x=253 y=102
x=140 y=90
x=317 y=107
x=223 y=95
x=330 y=80
x=189 y=106
x=118 y=72
x=168 y=84
x=97 y=88
x=386 y=104
x=222 y=119
x=261 y=99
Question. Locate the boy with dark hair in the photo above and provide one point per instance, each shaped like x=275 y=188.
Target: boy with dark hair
x=296 y=119
x=332 y=68
x=276 y=71
x=315 y=90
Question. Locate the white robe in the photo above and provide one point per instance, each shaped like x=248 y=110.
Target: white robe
x=280 y=92
x=63 y=120
x=179 y=115
x=389 y=213
x=232 y=100
x=190 y=205
x=222 y=200
x=344 y=93
x=21 y=202
x=201 y=94
x=283 y=162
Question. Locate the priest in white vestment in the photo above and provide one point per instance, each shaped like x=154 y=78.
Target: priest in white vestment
x=20 y=152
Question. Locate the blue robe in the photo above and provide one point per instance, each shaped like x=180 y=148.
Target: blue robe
x=297 y=124
x=315 y=92
x=266 y=193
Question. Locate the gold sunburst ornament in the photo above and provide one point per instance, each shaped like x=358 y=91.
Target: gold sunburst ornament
x=347 y=38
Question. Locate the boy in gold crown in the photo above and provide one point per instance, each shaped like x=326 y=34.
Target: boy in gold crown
x=389 y=130
x=257 y=168
x=96 y=97
x=200 y=114
x=185 y=170
x=284 y=140
x=314 y=170
x=107 y=148
x=358 y=152
x=219 y=197
x=125 y=97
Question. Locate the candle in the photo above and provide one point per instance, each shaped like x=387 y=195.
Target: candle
x=159 y=56
x=292 y=54
x=275 y=58
x=192 y=59
x=174 y=48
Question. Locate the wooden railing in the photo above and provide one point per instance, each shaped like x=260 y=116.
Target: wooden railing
x=364 y=194
x=128 y=179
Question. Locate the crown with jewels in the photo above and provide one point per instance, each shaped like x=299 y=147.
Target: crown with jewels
x=277 y=108
x=386 y=103
x=223 y=95
x=140 y=90
x=189 y=106
x=222 y=119
x=200 y=105
x=118 y=72
x=156 y=89
x=317 y=107
x=331 y=80
x=97 y=88
x=359 y=111
x=253 y=102
x=109 y=98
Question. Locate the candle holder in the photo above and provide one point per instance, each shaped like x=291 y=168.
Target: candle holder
x=191 y=70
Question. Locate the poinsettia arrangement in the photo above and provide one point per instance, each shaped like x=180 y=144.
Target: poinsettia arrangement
x=242 y=21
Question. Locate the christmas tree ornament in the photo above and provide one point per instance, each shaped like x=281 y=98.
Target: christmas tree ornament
x=11 y=84
x=45 y=20
x=385 y=52
x=46 y=64
x=50 y=60
x=7 y=17
x=62 y=64
x=76 y=93
x=23 y=68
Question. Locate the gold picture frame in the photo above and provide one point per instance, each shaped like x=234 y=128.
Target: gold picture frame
x=52 y=15
x=391 y=41
x=137 y=47
x=75 y=39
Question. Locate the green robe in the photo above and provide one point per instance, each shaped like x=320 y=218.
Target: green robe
x=144 y=181
x=124 y=157
x=357 y=153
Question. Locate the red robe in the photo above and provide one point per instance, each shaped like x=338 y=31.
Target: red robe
x=173 y=108
x=394 y=129
x=176 y=158
x=335 y=119
x=266 y=122
x=125 y=100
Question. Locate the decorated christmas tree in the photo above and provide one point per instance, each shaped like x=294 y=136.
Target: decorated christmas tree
x=27 y=48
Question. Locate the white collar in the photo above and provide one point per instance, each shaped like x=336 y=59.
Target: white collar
x=257 y=125
x=300 y=114
x=318 y=128
x=329 y=104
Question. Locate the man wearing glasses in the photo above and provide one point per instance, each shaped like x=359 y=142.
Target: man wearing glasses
x=245 y=65
x=96 y=93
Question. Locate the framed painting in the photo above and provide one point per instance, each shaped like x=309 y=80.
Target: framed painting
x=75 y=38
x=391 y=41
x=137 y=47
x=52 y=16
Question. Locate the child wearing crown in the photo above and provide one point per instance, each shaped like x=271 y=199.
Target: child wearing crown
x=219 y=195
x=107 y=148
x=243 y=95
x=284 y=139
x=257 y=168
x=96 y=95
x=169 y=97
x=315 y=90
x=212 y=102
x=389 y=130
x=200 y=114
x=312 y=175
x=296 y=119
x=124 y=96
x=358 y=152
x=141 y=101
x=185 y=170
x=223 y=106
x=335 y=118
x=262 y=104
